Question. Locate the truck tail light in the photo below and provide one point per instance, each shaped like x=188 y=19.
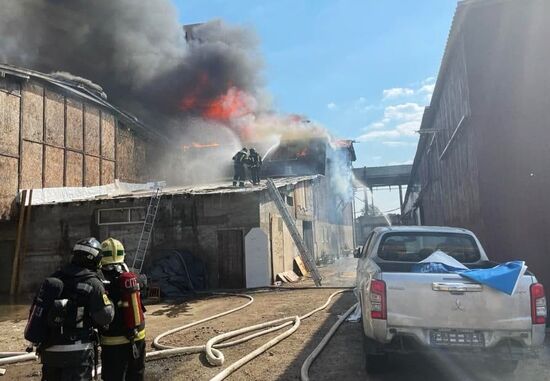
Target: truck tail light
x=377 y=295
x=538 y=304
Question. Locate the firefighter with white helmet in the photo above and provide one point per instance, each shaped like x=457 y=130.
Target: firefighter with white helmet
x=123 y=343
x=70 y=304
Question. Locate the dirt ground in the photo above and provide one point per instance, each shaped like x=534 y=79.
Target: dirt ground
x=341 y=360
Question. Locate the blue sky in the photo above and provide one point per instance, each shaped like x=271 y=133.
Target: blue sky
x=363 y=68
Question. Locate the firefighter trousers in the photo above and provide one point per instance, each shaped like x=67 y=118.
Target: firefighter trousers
x=118 y=362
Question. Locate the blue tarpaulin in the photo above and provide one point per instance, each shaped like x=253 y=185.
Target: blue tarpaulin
x=502 y=277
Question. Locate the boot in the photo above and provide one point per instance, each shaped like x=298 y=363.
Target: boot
x=234 y=183
x=241 y=184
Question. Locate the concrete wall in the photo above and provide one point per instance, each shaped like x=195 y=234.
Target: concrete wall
x=183 y=223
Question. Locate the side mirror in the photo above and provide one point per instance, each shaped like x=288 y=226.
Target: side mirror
x=357 y=252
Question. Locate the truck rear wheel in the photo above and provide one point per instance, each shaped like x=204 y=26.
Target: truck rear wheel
x=376 y=362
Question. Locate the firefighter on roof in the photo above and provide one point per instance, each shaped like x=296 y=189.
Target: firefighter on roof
x=255 y=165
x=239 y=160
x=67 y=308
x=123 y=343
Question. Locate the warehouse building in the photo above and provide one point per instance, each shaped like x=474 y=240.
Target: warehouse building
x=482 y=159
x=236 y=233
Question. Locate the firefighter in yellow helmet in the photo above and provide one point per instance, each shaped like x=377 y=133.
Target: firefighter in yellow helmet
x=123 y=343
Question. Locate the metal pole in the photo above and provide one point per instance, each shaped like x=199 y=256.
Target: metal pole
x=401 y=199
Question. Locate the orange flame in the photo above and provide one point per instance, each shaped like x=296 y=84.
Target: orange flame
x=230 y=105
x=302 y=153
x=199 y=146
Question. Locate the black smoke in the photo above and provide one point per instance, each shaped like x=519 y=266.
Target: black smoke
x=136 y=51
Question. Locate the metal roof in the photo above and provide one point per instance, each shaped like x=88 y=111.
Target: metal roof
x=114 y=192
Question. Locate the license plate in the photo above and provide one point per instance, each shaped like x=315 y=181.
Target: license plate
x=457 y=338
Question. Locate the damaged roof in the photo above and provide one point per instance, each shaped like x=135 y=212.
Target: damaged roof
x=120 y=190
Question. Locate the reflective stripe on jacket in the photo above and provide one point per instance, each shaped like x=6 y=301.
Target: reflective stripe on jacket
x=119 y=340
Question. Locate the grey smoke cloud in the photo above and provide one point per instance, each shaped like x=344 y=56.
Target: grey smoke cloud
x=136 y=51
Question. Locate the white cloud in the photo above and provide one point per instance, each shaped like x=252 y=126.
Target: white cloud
x=394 y=144
x=373 y=135
x=376 y=125
x=427 y=89
x=332 y=106
x=404 y=120
x=404 y=112
x=397 y=92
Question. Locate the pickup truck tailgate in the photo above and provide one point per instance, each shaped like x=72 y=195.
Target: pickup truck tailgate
x=450 y=301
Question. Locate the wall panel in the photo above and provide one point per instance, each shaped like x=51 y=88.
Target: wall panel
x=74 y=124
x=107 y=136
x=55 y=119
x=53 y=172
x=9 y=124
x=107 y=172
x=33 y=111
x=8 y=185
x=91 y=171
x=74 y=169
x=91 y=123
x=31 y=172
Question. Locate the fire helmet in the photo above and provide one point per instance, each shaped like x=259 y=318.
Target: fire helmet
x=112 y=251
x=87 y=253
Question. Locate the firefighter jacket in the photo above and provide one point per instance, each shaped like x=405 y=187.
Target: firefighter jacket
x=119 y=331
x=87 y=307
x=240 y=158
x=254 y=159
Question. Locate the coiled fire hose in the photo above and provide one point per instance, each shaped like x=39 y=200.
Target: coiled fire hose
x=211 y=348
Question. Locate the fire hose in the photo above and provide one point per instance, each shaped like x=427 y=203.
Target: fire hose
x=212 y=347
x=304 y=372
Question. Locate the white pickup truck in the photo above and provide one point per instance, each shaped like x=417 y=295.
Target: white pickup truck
x=404 y=311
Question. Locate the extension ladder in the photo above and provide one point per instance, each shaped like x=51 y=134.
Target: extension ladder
x=291 y=225
x=146 y=231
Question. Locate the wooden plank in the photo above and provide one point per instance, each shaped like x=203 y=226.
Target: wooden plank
x=92 y=171
x=73 y=169
x=23 y=249
x=31 y=169
x=20 y=228
x=301 y=266
x=74 y=125
x=53 y=173
x=33 y=112
x=91 y=120
x=107 y=136
x=9 y=123
x=8 y=185
x=55 y=118
x=107 y=172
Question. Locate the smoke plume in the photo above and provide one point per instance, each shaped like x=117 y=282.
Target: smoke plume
x=137 y=52
x=201 y=85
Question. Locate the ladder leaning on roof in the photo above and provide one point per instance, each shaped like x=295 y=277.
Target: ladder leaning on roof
x=291 y=225
x=147 y=230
